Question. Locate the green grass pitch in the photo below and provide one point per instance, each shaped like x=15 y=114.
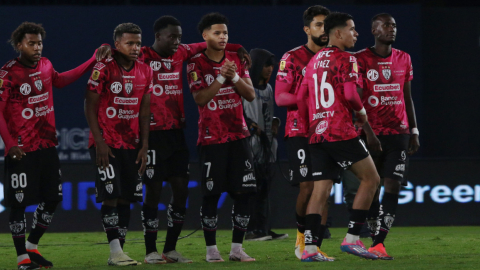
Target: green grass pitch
x=413 y=248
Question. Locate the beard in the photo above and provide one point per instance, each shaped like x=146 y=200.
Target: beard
x=319 y=42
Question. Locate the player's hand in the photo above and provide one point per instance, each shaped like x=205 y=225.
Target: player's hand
x=245 y=57
x=142 y=157
x=16 y=153
x=103 y=152
x=231 y=68
x=103 y=52
x=414 y=144
x=374 y=143
x=361 y=120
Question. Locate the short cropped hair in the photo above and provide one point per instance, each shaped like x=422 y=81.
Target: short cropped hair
x=336 y=19
x=164 y=21
x=210 y=19
x=23 y=29
x=376 y=17
x=312 y=12
x=122 y=28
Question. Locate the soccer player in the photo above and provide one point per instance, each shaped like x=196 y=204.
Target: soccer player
x=27 y=126
x=168 y=152
x=330 y=86
x=117 y=109
x=218 y=81
x=289 y=79
x=392 y=131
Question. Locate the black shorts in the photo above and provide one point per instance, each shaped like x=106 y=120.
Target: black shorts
x=33 y=179
x=392 y=162
x=227 y=167
x=299 y=160
x=167 y=155
x=121 y=179
x=330 y=158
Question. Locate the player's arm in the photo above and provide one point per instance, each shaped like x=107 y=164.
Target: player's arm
x=302 y=102
x=372 y=141
x=11 y=147
x=195 y=48
x=283 y=85
x=412 y=119
x=203 y=95
x=144 y=121
x=353 y=99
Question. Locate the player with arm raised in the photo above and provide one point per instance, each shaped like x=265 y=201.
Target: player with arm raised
x=27 y=126
x=168 y=152
x=218 y=81
x=117 y=109
x=326 y=98
x=289 y=78
x=392 y=131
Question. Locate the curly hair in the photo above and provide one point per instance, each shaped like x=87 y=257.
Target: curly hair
x=210 y=19
x=122 y=28
x=312 y=12
x=23 y=29
x=336 y=19
x=164 y=21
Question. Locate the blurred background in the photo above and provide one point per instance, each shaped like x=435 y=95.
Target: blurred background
x=442 y=37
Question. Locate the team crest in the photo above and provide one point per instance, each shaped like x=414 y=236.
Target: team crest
x=19 y=197
x=167 y=65
x=282 y=65
x=355 y=67
x=17 y=227
x=242 y=220
x=116 y=87
x=39 y=85
x=109 y=188
x=150 y=173
x=25 y=89
x=95 y=75
x=128 y=87
x=194 y=76
x=47 y=218
x=211 y=222
x=388 y=221
x=153 y=223
x=122 y=232
x=210 y=185
x=304 y=171
x=387 y=73
x=112 y=221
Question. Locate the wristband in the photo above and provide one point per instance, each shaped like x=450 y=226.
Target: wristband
x=221 y=79
x=362 y=111
x=236 y=78
x=415 y=131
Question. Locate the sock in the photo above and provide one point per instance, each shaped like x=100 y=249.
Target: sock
x=352 y=239
x=115 y=246
x=312 y=228
x=236 y=246
x=42 y=217
x=372 y=218
x=150 y=227
x=110 y=222
x=209 y=248
x=386 y=216
x=357 y=219
x=17 y=224
x=123 y=221
x=321 y=234
x=31 y=246
x=300 y=223
x=176 y=218
x=240 y=217
x=209 y=218
x=23 y=257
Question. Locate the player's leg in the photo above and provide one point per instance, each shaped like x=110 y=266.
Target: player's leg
x=123 y=208
x=241 y=186
x=213 y=168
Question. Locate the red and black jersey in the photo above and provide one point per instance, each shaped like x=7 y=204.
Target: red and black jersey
x=221 y=120
x=121 y=92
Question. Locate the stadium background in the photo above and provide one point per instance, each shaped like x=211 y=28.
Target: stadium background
x=443 y=42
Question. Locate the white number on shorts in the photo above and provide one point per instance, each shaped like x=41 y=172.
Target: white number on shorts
x=108 y=173
x=301 y=155
x=324 y=85
x=153 y=159
x=208 y=164
x=19 y=180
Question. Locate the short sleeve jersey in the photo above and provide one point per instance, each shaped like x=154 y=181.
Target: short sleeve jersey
x=383 y=79
x=121 y=94
x=291 y=71
x=166 y=101
x=330 y=114
x=29 y=109
x=221 y=119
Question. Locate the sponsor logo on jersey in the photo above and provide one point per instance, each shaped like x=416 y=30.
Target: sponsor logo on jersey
x=225 y=91
x=125 y=101
x=116 y=87
x=95 y=75
x=190 y=67
x=282 y=74
x=3 y=73
x=386 y=73
x=324 y=53
x=128 y=87
x=155 y=65
x=27 y=113
x=285 y=56
x=248 y=177
x=111 y=112
x=99 y=66
x=317 y=173
x=321 y=115
x=139 y=187
x=25 y=89
x=212 y=105
x=384 y=63
x=400 y=167
x=157 y=90
x=386 y=87
x=169 y=76
x=373 y=101
x=372 y=75
x=209 y=79
x=37 y=99
x=248 y=164
x=93 y=82
x=282 y=64
x=321 y=127
x=35 y=74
